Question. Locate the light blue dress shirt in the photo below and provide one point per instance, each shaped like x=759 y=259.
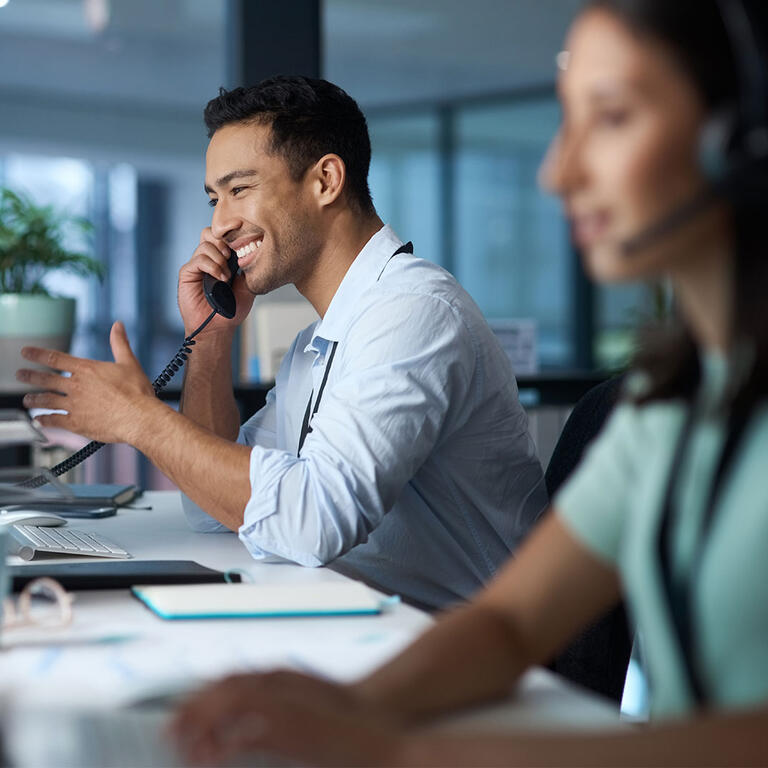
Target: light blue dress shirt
x=419 y=475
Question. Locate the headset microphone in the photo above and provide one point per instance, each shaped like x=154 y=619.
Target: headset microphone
x=669 y=223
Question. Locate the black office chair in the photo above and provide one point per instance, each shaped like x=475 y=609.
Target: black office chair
x=598 y=658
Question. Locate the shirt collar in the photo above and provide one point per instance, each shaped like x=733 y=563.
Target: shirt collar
x=364 y=271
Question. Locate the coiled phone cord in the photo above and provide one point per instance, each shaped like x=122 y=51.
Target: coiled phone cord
x=170 y=370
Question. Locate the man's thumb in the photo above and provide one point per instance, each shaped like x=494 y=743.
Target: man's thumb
x=121 y=347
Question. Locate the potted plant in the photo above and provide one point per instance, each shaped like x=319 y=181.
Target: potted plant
x=33 y=242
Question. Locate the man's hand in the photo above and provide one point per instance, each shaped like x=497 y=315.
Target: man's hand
x=104 y=401
x=284 y=714
x=210 y=257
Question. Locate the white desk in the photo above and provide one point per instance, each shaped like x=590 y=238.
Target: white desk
x=81 y=670
x=76 y=669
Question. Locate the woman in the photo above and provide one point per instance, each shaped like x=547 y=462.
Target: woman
x=669 y=506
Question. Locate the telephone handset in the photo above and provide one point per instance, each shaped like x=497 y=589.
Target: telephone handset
x=222 y=300
x=219 y=293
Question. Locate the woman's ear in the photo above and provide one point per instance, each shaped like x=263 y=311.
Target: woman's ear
x=329 y=175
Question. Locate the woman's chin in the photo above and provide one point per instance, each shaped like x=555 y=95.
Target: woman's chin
x=607 y=263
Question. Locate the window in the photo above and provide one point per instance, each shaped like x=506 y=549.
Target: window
x=461 y=182
x=512 y=252
x=405 y=179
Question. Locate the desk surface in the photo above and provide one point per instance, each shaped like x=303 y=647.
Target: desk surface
x=117 y=650
x=85 y=668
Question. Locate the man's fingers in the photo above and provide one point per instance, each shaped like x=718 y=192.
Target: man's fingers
x=45 y=400
x=43 y=380
x=51 y=358
x=191 y=273
x=207 y=236
x=121 y=347
x=208 y=258
x=59 y=420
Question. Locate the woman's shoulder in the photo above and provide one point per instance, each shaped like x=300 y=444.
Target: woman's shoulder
x=638 y=415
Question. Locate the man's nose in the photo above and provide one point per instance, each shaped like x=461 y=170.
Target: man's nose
x=224 y=220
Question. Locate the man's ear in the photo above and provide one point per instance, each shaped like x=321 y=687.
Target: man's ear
x=328 y=176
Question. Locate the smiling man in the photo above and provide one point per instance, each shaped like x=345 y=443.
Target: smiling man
x=393 y=444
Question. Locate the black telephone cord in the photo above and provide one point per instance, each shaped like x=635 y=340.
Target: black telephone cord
x=170 y=370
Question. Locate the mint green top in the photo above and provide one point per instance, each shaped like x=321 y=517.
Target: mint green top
x=612 y=504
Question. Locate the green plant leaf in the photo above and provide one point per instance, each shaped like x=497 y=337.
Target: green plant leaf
x=31 y=238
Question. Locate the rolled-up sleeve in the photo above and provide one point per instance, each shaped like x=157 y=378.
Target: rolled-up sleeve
x=406 y=361
x=260 y=429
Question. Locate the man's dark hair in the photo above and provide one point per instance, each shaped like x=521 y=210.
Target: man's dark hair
x=308 y=118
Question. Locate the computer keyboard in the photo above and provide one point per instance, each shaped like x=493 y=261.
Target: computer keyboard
x=31 y=539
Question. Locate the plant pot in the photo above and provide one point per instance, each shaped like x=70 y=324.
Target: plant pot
x=31 y=320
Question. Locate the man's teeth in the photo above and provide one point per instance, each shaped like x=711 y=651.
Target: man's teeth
x=246 y=249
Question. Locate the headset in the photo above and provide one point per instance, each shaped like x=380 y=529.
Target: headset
x=734 y=142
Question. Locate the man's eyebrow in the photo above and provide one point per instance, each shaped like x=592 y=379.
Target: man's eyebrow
x=224 y=180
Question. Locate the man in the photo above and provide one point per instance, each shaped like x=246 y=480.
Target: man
x=393 y=443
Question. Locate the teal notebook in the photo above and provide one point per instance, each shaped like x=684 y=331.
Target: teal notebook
x=239 y=601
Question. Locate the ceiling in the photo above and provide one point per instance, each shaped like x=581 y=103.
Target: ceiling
x=149 y=52
x=435 y=50
x=170 y=51
x=137 y=68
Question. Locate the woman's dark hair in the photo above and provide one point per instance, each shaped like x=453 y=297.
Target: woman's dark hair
x=696 y=35
x=308 y=119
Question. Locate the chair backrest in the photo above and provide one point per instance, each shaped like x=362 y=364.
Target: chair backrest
x=583 y=425
x=598 y=658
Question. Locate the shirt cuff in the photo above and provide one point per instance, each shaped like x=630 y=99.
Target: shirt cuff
x=262 y=537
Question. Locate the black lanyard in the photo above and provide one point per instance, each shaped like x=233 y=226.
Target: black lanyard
x=306 y=426
x=679 y=592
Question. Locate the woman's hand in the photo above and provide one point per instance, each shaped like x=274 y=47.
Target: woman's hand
x=287 y=715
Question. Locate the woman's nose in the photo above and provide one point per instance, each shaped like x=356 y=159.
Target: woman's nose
x=560 y=170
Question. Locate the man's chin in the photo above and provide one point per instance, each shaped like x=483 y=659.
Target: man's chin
x=260 y=285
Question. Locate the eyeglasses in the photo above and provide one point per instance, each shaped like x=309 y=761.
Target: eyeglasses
x=43 y=603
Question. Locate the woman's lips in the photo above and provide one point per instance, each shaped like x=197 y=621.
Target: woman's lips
x=588 y=229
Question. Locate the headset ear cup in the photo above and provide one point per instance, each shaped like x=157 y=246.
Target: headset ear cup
x=757 y=142
x=734 y=162
x=716 y=142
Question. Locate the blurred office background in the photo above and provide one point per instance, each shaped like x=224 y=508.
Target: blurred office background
x=101 y=114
